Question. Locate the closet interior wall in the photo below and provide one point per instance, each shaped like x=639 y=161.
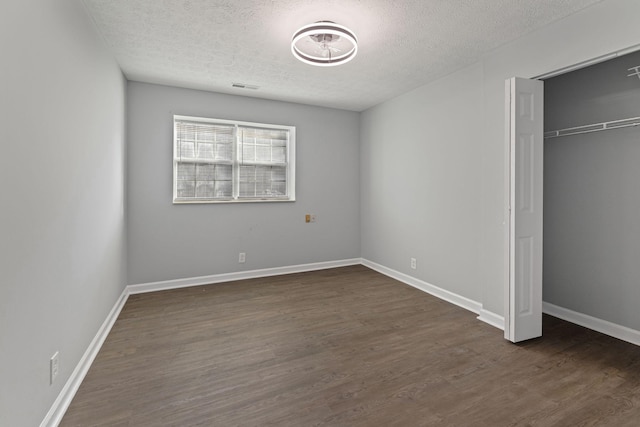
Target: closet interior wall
x=591 y=261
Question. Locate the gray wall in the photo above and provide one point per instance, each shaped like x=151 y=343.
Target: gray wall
x=479 y=128
x=62 y=250
x=592 y=196
x=167 y=241
x=420 y=179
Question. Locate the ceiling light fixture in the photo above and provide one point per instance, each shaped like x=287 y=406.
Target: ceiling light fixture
x=324 y=44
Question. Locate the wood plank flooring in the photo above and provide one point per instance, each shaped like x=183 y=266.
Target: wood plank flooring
x=345 y=347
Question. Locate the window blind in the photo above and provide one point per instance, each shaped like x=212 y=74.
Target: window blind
x=204 y=161
x=263 y=162
x=231 y=161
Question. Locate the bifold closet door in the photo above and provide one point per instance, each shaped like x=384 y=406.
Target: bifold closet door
x=525 y=132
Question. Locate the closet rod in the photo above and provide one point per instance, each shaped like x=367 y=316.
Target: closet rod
x=596 y=127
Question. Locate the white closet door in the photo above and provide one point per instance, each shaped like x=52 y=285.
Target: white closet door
x=523 y=314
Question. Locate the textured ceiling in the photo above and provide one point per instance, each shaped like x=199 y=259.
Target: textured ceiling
x=403 y=44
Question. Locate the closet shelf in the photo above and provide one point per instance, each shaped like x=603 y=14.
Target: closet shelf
x=596 y=127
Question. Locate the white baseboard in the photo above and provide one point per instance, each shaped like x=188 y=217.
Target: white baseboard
x=491 y=318
x=62 y=402
x=240 y=275
x=443 y=294
x=617 y=331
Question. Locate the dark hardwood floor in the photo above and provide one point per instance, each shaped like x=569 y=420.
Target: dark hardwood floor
x=345 y=347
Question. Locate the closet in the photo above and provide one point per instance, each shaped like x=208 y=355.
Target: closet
x=591 y=250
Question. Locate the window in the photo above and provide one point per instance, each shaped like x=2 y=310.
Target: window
x=230 y=161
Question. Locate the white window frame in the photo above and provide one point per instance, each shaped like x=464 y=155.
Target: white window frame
x=236 y=163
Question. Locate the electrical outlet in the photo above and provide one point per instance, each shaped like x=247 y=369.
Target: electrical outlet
x=307 y=218
x=53 y=367
x=242 y=257
x=414 y=263
x=313 y=218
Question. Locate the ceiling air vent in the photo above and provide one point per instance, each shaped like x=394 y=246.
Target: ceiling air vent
x=244 y=86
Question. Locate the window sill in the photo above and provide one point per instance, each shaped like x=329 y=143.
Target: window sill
x=231 y=201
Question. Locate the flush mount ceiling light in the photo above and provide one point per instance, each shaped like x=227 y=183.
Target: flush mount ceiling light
x=324 y=44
